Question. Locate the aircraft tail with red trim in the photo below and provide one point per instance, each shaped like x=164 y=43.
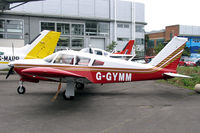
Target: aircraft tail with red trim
x=170 y=55
x=127 y=49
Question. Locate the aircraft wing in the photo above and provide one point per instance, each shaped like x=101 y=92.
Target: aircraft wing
x=48 y=72
x=177 y=75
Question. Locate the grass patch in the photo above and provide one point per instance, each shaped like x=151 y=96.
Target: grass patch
x=189 y=83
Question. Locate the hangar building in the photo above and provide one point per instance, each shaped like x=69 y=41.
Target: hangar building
x=81 y=23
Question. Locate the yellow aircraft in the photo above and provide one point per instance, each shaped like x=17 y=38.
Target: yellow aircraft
x=43 y=45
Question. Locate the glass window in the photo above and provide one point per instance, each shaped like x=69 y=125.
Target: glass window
x=139 y=28
x=47 y=26
x=2 y=25
x=150 y=44
x=14 y=36
x=63 y=28
x=64 y=59
x=91 y=28
x=77 y=42
x=159 y=41
x=58 y=59
x=122 y=39
x=87 y=50
x=2 y=36
x=11 y=29
x=63 y=41
x=171 y=35
x=82 y=61
x=77 y=29
x=67 y=59
x=120 y=25
x=97 y=52
x=50 y=58
x=126 y=25
x=138 y=41
x=14 y=26
x=103 y=29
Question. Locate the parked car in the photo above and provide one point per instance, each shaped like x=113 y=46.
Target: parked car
x=198 y=62
x=187 y=62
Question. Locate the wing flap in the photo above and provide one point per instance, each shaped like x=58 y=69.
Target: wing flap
x=177 y=75
x=49 y=72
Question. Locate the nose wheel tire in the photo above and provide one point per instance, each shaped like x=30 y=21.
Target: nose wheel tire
x=21 y=90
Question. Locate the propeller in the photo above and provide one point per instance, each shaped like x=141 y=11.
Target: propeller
x=10 y=71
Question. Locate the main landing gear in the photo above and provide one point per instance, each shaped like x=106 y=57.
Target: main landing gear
x=21 y=89
x=79 y=86
x=69 y=92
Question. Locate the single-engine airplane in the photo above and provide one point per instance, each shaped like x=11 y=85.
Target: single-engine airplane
x=43 y=45
x=124 y=54
x=76 y=68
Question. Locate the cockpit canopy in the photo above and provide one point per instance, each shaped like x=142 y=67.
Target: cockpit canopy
x=71 y=59
x=95 y=51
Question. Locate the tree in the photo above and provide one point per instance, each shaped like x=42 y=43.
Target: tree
x=111 y=46
x=186 y=52
x=158 y=48
x=198 y=50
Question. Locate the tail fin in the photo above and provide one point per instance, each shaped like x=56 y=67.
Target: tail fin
x=127 y=49
x=43 y=45
x=170 y=55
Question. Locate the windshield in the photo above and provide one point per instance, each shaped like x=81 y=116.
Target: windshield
x=50 y=58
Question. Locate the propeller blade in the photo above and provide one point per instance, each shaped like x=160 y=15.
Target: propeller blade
x=10 y=72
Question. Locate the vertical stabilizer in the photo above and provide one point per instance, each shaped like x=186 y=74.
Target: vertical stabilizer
x=43 y=45
x=127 y=49
x=170 y=55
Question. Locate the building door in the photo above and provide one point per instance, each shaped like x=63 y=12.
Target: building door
x=97 y=43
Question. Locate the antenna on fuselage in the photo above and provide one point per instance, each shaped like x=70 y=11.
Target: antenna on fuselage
x=90 y=49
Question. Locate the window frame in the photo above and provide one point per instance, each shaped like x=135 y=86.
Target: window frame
x=5 y=34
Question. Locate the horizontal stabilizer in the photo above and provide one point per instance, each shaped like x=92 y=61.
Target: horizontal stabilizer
x=48 y=72
x=177 y=75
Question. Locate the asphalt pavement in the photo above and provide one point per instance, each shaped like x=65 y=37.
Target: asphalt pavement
x=136 y=107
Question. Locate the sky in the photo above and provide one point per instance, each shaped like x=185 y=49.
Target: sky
x=161 y=13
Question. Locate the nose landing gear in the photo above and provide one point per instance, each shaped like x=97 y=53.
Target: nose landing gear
x=21 y=89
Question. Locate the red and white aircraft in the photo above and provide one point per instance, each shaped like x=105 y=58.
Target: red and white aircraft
x=76 y=68
x=125 y=54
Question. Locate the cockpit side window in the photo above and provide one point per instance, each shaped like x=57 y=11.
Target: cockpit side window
x=83 y=61
x=64 y=59
x=97 y=52
x=1 y=53
x=58 y=59
x=49 y=58
x=68 y=59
